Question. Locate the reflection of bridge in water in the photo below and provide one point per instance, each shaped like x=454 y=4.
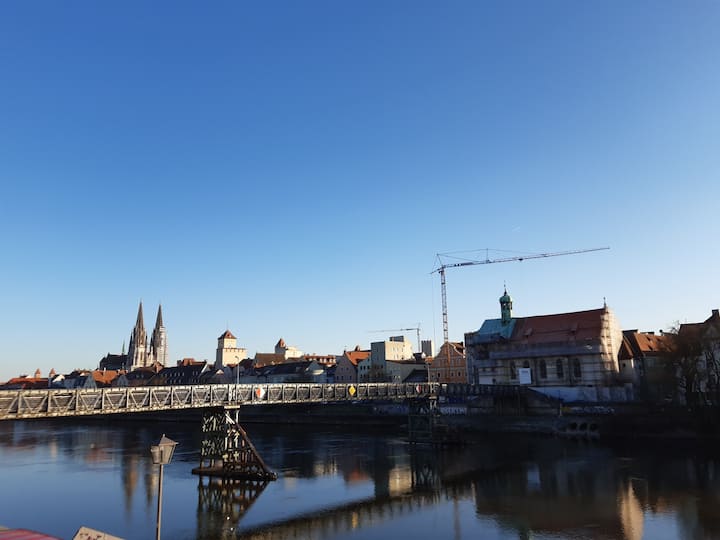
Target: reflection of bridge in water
x=226 y=450
x=222 y=505
x=547 y=487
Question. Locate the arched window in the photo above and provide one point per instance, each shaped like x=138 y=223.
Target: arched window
x=559 y=369
x=577 y=371
x=513 y=370
x=543 y=369
x=526 y=364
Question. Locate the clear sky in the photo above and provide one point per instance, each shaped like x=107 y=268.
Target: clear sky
x=291 y=169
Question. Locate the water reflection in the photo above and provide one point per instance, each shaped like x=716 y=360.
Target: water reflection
x=334 y=483
x=222 y=503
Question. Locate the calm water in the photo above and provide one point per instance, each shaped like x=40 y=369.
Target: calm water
x=340 y=484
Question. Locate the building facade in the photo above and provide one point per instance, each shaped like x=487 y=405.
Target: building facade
x=572 y=356
x=347 y=365
x=644 y=361
x=449 y=365
x=396 y=348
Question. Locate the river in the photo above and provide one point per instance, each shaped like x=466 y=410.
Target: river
x=343 y=483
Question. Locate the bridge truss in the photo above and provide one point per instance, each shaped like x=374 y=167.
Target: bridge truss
x=22 y=404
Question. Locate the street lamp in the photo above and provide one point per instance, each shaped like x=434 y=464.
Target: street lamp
x=162 y=453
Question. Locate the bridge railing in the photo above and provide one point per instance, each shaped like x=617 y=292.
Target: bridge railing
x=19 y=404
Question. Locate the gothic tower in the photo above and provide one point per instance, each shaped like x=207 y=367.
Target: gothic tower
x=158 y=342
x=137 y=351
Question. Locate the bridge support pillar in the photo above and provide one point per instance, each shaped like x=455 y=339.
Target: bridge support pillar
x=226 y=450
x=421 y=419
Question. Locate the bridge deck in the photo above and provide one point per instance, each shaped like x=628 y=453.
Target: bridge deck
x=18 y=404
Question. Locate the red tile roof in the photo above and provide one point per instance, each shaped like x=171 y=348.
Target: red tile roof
x=356 y=356
x=27 y=383
x=105 y=376
x=637 y=344
x=266 y=359
x=652 y=343
x=579 y=325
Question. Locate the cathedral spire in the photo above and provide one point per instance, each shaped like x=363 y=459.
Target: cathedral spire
x=159 y=321
x=137 y=351
x=139 y=323
x=158 y=352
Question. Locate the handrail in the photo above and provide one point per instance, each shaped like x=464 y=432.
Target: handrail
x=50 y=403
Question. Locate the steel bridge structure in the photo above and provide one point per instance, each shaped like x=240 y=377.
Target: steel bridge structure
x=226 y=451
x=51 y=403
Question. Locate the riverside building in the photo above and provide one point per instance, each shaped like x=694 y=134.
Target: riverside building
x=571 y=356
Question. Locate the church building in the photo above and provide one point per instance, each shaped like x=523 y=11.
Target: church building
x=572 y=356
x=139 y=353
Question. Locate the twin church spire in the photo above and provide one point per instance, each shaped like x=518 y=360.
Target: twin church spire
x=139 y=353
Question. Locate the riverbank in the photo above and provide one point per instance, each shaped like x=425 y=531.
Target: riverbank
x=588 y=421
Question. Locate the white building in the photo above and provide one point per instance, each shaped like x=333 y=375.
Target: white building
x=397 y=348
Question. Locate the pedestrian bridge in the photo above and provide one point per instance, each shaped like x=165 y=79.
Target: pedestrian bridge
x=226 y=450
x=21 y=404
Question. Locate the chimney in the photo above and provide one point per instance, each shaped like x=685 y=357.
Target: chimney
x=715 y=313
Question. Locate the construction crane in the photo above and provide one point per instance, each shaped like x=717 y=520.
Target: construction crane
x=416 y=329
x=441 y=270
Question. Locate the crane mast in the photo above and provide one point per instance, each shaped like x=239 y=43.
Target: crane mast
x=443 y=283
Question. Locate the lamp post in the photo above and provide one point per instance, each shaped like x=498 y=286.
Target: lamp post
x=162 y=453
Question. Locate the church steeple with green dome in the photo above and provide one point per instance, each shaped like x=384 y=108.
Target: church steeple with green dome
x=505 y=308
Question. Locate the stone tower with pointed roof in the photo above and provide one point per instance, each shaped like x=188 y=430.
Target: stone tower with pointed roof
x=282 y=348
x=158 y=342
x=137 y=351
x=228 y=353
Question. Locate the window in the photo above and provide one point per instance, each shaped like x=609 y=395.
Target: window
x=513 y=371
x=543 y=369
x=559 y=368
x=577 y=371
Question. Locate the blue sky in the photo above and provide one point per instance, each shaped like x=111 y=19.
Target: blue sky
x=291 y=169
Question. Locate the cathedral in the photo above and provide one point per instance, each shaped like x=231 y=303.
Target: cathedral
x=139 y=354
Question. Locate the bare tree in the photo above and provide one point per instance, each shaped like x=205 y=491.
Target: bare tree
x=685 y=366
x=711 y=355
